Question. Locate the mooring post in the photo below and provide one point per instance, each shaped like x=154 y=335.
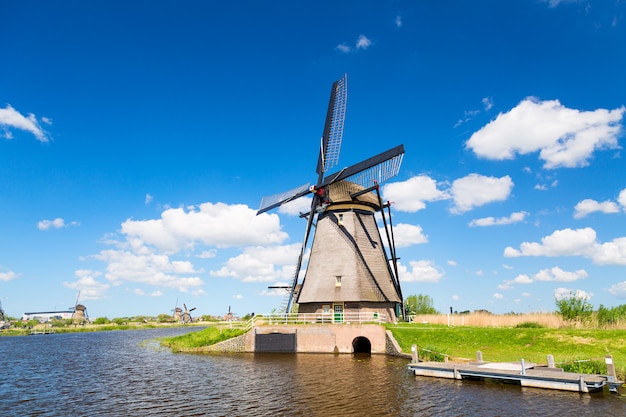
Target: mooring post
x=610 y=368
x=523 y=367
x=479 y=356
x=414 y=353
x=551 y=361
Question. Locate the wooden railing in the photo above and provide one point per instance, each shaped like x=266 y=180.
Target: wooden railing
x=316 y=318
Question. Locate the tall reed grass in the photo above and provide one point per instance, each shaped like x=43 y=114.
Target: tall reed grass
x=482 y=319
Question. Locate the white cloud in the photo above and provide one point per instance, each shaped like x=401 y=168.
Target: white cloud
x=343 y=47
x=143 y=266
x=219 y=225
x=421 y=271
x=553 y=274
x=398 y=21
x=407 y=235
x=148 y=199
x=522 y=279
x=561 y=293
x=578 y=242
x=90 y=288
x=516 y=217
x=452 y=262
x=622 y=198
x=57 y=223
x=8 y=276
x=261 y=264
x=618 y=290
x=487 y=103
x=498 y=296
x=476 y=190
x=589 y=206
x=557 y=274
x=363 y=42
x=563 y=137
x=411 y=195
x=11 y=118
x=207 y=254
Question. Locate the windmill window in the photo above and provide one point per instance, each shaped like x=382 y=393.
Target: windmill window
x=340 y=219
x=338 y=281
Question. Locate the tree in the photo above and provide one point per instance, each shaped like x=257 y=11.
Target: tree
x=419 y=304
x=574 y=307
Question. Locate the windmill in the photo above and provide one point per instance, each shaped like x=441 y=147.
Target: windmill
x=178 y=312
x=187 y=314
x=348 y=268
x=3 y=317
x=80 y=312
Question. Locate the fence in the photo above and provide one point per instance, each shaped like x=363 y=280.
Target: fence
x=317 y=318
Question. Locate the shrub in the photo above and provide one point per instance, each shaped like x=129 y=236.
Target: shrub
x=585 y=367
x=529 y=325
x=574 y=307
x=101 y=320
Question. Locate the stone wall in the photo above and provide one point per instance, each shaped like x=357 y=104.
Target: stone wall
x=313 y=338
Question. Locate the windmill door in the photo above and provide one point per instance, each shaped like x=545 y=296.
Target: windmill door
x=338 y=313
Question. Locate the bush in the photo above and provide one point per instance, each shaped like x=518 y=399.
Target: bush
x=529 y=325
x=574 y=307
x=101 y=320
x=585 y=367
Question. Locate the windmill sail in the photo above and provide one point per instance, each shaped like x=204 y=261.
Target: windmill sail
x=333 y=128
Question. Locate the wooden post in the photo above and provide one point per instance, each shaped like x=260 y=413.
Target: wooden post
x=610 y=368
x=479 y=356
x=551 y=361
x=414 y=354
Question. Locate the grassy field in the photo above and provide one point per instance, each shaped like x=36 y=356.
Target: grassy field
x=567 y=345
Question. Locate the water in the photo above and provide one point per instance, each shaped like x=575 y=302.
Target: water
x=126 y=373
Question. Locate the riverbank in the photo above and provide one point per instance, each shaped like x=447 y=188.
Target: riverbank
x=41 y=328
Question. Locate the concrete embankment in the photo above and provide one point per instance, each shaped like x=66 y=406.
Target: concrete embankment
x=311 y=338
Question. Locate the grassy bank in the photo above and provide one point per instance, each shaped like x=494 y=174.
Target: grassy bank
x=204 y=337
x=567 y=345
x=14 y=331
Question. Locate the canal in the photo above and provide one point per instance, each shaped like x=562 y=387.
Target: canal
x=127 y=373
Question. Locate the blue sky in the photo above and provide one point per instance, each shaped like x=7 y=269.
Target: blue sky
x=137 y=139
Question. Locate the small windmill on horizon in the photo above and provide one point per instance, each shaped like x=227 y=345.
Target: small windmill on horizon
x=348 y=270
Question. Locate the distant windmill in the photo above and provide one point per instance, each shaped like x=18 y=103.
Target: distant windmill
x=187 y=314
x=3 y=318
x=348 y=269
x=178 y=312
x=80 y=312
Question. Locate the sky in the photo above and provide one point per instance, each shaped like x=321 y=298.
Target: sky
x=137 y=139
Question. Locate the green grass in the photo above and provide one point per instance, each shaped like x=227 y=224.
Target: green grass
x=205 y=337
x=512 y=344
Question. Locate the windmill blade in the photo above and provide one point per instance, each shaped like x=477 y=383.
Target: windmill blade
x=273 y=201
x=307 y=231
x=192 y=309
x=376 y=169
x=333 y=128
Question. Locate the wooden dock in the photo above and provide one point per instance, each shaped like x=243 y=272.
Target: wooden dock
x=522 y=373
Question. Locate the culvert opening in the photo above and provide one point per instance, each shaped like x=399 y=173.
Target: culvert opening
x=361 y=345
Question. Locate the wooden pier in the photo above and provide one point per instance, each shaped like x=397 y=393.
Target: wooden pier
x=522 y=373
